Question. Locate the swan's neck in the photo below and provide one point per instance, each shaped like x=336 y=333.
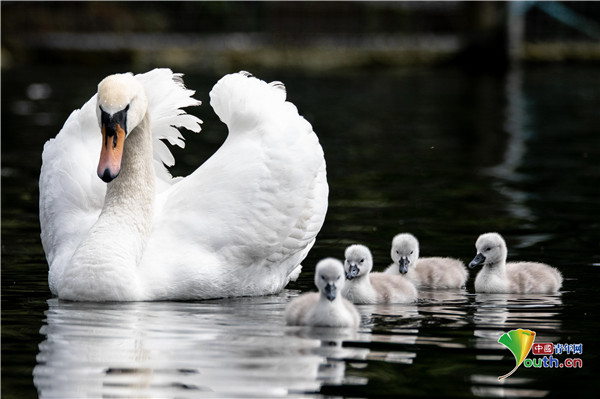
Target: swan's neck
x=129 y=202
x=130 y=197
x=104 y=266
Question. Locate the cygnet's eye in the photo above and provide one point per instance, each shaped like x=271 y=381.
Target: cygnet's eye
x=398 y=252
x=362 y=260
x=488 y=249
x=323 y=278
x=338 y=277
x=411 y=252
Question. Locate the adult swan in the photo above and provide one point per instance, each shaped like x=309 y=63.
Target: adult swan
x=239 y=225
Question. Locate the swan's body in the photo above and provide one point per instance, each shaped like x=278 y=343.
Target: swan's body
x=326 y=308
x=500 y=277
x=431 y=272
x=364 y=287
x=238 y=225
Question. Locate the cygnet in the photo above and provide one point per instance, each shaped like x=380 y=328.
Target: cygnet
x=497 y=276
x=364 y=287
x=327 y=308
x=431 y=272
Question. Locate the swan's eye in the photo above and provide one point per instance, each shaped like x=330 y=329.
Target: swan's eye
x=362 y=260
x=411 y=252
x=323 y=278
x=398 y=252
x=488 y=249
x=338 y=277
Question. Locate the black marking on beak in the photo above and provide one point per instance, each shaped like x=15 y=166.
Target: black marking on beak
x=352 y=272
x=107 y=177
x=403 y=265
x=477 y=261
x=110 y=123
x=330 y=291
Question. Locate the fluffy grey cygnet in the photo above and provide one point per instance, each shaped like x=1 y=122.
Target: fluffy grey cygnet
x=364 y=287
x=497 y=276
x=327 y=308
x=430 y=272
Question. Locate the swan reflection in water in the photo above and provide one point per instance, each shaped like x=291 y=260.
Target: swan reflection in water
x=497 y=314
x=224 y=348
x=241 y=347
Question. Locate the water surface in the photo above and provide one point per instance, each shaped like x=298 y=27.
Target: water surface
x=436 y=152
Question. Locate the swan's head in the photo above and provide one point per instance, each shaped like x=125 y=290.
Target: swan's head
x=359 y=261
x=405 y=251
x=491 y=249
x=329 y=277
x=122 y=104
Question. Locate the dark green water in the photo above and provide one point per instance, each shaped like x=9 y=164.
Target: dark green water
x=436 y=152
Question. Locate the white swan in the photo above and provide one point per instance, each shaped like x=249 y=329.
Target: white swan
x=500 y=277
x=238 y=225
x=364 y=287
x=327 y=308
x=430 y=272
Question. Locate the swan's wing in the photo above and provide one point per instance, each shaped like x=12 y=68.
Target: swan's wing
x=71 y=194
x=261 y=198
x=167 y=96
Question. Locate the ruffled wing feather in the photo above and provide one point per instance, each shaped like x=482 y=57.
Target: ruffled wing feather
x=261 y=199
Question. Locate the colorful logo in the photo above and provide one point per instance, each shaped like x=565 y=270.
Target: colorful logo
x=519 y=342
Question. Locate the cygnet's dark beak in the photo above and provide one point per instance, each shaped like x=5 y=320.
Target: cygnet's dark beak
x=403 y=265
x=330 y=291
x=477 y=261
x=352 y=272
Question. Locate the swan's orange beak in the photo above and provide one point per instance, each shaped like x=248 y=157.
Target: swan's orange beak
x=114 y=130
x=113 y=138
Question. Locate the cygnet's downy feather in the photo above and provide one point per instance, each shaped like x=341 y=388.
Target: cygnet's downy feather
x=430 y=272
x=497 y=276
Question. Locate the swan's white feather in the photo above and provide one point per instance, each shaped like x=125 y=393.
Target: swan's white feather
x=71 y=194
x=166 y=97
x=253 y=209
x=239 y=225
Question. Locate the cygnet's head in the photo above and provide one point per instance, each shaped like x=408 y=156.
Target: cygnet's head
x=405 y=251
x=491 y=249
x=122 y=105
x=359 y=261
x=329 y=277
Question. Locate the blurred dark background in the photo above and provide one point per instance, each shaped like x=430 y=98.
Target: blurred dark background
x=224 y=36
